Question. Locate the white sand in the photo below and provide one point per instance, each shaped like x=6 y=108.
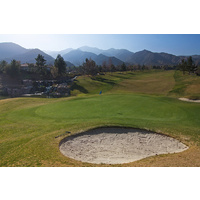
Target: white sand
x=118 y=145
x=189 y=100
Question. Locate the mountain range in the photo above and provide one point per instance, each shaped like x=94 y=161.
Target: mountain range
x=10 y=51
x=75 y=57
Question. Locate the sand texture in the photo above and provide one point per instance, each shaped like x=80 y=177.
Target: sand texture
x=189 y=100
x=118 y=145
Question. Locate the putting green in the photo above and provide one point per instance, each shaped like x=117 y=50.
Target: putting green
x=113 y=107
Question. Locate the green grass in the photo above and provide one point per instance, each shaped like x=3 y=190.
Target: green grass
x=29 y=126
x=146 y=82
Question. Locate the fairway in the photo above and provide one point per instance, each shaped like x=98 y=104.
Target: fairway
x=32 y=128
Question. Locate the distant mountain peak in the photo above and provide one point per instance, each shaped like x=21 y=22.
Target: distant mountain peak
x=10 y=49
x=112 y=49
x=145 y=50
x=94 y=50
x=85 y=46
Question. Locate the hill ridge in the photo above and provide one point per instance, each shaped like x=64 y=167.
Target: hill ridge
x=10 y=50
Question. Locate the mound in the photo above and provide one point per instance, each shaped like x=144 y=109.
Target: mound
x=118 y=145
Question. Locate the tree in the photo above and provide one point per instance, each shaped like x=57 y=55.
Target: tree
x=13 y=68
x=60 y=64
x=198 y=71
x=143 y=67
x=109 y=64
x=190 y=65
x=123 y=67
x=104 y=66
x=112 y=68
x=54 y=72
x=40 y=63
x=3 y=64
x=90 y=67
x=183 y=66
x=31 y=68
x=187 y=65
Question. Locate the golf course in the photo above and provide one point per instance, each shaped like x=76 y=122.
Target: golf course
x=32 y=128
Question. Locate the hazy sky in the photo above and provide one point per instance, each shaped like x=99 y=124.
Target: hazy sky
x=177 y=44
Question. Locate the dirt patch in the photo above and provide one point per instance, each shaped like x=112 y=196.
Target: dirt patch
x=118 y=145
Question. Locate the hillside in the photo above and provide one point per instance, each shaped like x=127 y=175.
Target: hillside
x=30 y=55
x=149 y=58
x=94 y=50
x=77 y=57
x=9 y=49
x=142 y=57
x=55 y=53
x=155 y=82
x=121 y=54
x=196 y=59
x=100 y=59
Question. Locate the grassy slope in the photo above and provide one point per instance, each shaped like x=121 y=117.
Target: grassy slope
x=29 y=125
x=186 y=85
x=147 y=82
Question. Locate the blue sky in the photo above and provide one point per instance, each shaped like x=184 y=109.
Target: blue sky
x=177 y=44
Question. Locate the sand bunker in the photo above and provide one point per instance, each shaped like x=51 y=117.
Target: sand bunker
x=118 y=145
x=189 y=100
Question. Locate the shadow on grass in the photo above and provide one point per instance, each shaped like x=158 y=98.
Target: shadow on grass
x=75 y=86
x=122 y=75
x=178 y=90
x=100 y=79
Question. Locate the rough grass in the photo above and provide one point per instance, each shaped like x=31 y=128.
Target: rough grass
x=186 y=85
x=153 y=82
x=156 y=82
x=146 y=82
x=29 y=127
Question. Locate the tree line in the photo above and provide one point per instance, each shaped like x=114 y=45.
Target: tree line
x=187 y=65
x=12 y=69
x=89 y=67
x=57 y=70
